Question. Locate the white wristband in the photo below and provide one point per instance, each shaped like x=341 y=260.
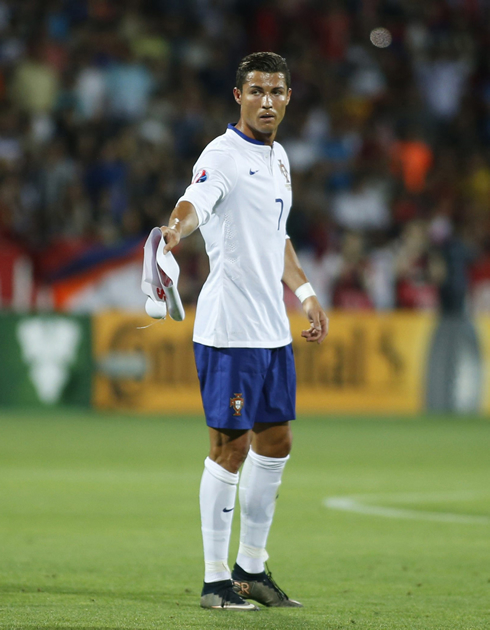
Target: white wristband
x=304 y=291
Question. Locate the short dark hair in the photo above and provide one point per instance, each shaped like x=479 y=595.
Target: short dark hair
x=263 y=62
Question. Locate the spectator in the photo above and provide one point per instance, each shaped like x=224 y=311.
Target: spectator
x=419 y=271
x=350 y=289
x=411 y=160
x=443 y=80
x=90 y=89
x=35 y=85
x=129 y=85
x=364 y=207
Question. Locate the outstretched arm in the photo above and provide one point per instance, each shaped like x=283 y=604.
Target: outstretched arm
x=183 y=221
x=294 y=277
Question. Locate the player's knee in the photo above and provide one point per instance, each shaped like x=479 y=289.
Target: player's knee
x=283 y=448
x=231 y=456
x=231 y=461
x=274 y=443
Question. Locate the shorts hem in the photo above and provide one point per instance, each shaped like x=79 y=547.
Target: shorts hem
x=223 y=426
x=266 y=345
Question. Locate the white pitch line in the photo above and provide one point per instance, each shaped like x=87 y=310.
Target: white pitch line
x=358 y=504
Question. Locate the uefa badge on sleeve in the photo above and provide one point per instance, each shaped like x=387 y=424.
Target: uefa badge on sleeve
x=201 y=177
x=237 y=403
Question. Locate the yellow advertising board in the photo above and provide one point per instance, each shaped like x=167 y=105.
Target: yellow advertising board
x=370 y=363
x=144 y=367
x=483 y=328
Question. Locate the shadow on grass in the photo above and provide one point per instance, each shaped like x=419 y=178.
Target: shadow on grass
x=183 y=599
x=175 y=611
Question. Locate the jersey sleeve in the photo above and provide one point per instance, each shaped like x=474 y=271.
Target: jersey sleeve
x=214 y=176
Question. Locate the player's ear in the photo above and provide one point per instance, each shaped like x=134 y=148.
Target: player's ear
x=238 y=95
x=289 y=96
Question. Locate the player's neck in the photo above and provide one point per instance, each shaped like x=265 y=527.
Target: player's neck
x=254 y=134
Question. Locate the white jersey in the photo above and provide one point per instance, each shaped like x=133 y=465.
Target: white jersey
x=241 y=190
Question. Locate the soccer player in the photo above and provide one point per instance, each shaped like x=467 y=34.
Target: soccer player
x=240 y=197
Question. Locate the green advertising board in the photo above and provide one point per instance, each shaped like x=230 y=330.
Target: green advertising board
x=45 y=360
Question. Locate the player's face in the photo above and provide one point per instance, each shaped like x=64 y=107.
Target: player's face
x=263 y=100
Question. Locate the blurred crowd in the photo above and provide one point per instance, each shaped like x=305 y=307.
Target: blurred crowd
x=106 y=104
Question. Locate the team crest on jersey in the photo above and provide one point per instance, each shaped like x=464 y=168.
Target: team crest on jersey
x=200 y=177
x=284 y=171
x=237 y=403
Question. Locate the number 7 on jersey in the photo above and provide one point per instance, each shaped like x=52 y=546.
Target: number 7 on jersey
x=280 y=214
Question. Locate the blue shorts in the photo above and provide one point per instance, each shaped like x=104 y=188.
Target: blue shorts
x=242 y=386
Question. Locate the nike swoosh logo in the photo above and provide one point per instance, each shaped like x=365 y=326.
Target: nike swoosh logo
x=226 y=510
x=253 y=172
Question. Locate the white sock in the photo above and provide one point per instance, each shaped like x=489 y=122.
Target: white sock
x=260 y=481
x=217 y=499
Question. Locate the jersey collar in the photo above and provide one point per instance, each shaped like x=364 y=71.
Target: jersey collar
x=247 y=138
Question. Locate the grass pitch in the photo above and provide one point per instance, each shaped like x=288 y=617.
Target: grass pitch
x=99 y=525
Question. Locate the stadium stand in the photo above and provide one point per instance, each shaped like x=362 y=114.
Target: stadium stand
x=105 y=105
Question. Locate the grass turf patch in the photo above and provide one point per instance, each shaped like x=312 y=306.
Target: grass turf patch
x=100 y=525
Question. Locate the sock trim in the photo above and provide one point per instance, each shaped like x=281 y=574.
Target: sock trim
x=217 y=567
x=221 y=473
x=269 y=463
x=253 y=552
